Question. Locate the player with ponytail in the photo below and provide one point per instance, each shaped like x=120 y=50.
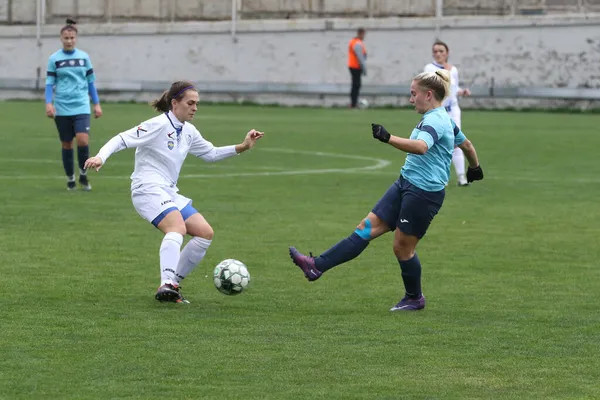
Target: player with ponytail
x=413 y=200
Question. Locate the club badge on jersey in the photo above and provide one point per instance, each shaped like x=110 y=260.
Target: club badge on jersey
x=170 y=144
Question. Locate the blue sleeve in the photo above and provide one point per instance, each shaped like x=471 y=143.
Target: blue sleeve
x=49 y=90
x=428 y=134
x=459 y=137
x=91 y=77
x=93 y=93
x=51 y=72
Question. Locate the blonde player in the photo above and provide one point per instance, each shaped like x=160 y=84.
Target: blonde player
x=440 y=61
x=162 y=143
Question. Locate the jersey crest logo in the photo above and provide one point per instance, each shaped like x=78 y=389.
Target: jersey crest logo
x=81 y=62
x=170 y=144
x=72 y=62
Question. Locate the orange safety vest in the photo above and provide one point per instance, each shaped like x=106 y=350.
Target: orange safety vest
x=352 y=59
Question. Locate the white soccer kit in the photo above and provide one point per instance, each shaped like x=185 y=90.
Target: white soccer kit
x=451 y=102
x=162 y=144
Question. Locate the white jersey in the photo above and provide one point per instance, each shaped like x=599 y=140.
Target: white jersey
x=452 y=100
x=162 y=144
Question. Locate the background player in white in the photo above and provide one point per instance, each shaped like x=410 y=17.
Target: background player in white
x=162 y=144
x=440 y=61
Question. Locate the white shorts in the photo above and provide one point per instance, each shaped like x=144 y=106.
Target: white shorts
x=154 y=202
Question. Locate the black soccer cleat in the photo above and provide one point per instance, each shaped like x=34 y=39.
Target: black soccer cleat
x=168 y=293
x=182 y=299
x=71 y=186
x=85 y=184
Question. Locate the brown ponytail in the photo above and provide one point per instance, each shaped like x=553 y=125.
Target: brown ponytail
x=175 y=92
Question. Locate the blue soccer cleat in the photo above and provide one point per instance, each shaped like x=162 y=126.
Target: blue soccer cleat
x=306 y=264
x=408 y=304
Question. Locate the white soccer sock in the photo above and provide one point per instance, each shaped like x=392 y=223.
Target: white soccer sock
x=169 y=257
x=458 y=159
x=191 y=255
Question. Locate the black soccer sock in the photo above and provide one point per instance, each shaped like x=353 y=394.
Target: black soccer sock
x=67 y=158
x=343 y=251
x=83 y=153
x=411 y=275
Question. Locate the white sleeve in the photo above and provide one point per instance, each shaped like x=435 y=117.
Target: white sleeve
x=205 y=150
x=456 y=78
x=112 y=146
x=141 y=134
x=134 y=137
x=430 y=68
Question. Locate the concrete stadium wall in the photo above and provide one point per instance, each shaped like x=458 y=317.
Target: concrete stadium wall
x=518 y=51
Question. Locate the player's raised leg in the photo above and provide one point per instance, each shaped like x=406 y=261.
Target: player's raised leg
x=345 y=250
x=171 y=223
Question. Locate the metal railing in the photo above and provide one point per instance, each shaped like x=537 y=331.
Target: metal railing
x=98 y=11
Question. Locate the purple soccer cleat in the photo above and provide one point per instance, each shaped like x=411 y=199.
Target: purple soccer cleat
x=306 y=264
x=408 y=304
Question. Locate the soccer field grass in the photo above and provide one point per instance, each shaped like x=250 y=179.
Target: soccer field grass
x=510 y=266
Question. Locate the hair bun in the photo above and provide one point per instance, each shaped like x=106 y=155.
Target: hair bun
x=71 y=21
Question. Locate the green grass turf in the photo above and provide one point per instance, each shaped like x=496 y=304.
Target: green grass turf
x=511 y=269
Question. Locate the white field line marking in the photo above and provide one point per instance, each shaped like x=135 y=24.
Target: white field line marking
x=378 y=164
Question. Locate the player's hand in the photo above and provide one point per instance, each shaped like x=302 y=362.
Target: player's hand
x=474 y=174
x=251 y=137
x=97 y=110
x=380 y=133
x=93 y=162
x=50 y=111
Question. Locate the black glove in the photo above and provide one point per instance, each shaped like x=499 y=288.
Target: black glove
x=474 y=174
x=380 y=133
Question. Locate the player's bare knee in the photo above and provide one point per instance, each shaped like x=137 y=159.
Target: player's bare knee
x=403 y=249
x=82 y=140
x=207 y=232
x=67 y=145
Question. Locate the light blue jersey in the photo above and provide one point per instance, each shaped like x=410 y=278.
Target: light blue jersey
x=71 y=74
x=431 y=171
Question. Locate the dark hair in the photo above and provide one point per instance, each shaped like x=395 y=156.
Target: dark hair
x=440 y=43
x=70 y=26
x=360 y=31
x=177 y=91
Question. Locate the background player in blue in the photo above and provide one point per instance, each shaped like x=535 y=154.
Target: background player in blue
x=409 y=205
x=71 y=76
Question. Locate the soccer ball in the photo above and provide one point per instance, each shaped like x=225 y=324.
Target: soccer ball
x=231 y=277
x=363 y=103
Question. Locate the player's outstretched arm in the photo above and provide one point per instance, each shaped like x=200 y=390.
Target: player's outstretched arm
x=249 y=141
x=408 y=145
x=112 y=146
x=93 y=163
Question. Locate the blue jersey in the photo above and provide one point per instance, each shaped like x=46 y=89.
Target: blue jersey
x=70 y=73
x=431 y=171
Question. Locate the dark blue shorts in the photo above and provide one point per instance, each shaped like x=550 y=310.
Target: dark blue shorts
x=408 y=208
x=69 y=125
